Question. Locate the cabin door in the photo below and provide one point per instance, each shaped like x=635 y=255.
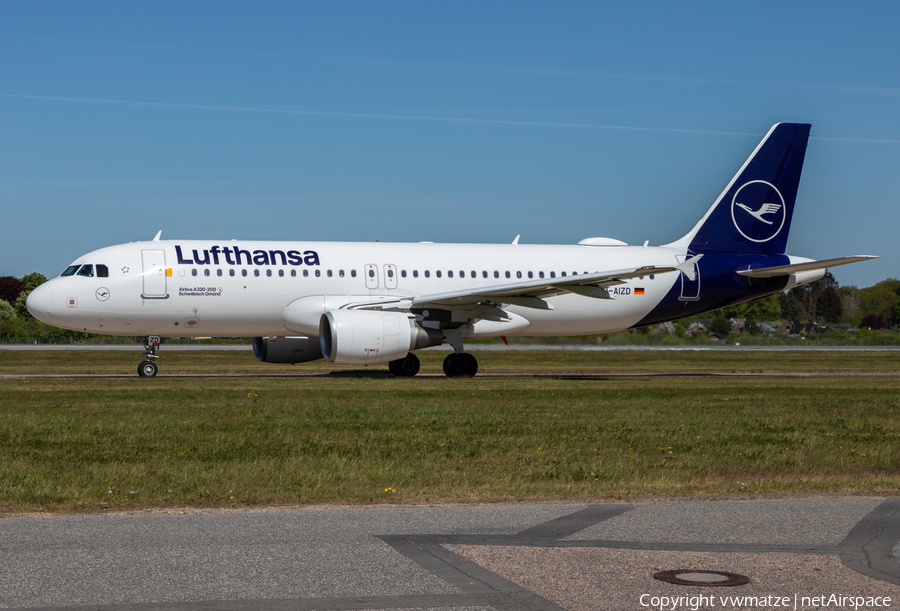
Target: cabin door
x=154 y=274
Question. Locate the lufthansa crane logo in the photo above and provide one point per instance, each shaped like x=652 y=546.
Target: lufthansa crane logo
x=758 y=211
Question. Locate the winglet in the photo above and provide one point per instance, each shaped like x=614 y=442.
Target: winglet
x=516 y=241
x=158 y=234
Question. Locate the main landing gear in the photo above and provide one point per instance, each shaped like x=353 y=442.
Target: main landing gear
x=460 y=365
x=148 y=368
x=406 y=367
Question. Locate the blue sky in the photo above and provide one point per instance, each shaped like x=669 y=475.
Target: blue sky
x=460 y=122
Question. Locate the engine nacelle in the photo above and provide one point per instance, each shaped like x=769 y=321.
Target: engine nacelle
x=286 y=349
x=366 y=337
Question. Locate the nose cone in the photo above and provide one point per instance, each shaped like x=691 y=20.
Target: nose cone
x=40 y=303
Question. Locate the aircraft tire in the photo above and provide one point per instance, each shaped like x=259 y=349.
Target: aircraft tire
x=467 y=365
x=405 y=367
x=450 y=365
x=147 y=369
x=462 y=365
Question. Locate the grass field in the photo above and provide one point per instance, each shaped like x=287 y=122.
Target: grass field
x=92 y=444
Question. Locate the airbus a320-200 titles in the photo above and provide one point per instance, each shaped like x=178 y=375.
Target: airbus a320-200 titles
x=369 y=303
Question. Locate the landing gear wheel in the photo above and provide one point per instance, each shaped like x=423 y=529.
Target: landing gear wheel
x=462 y=365
x=405 y=367
x=147 y=369
x=450 y=365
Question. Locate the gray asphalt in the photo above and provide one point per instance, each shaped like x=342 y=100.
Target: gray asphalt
x=397 y=557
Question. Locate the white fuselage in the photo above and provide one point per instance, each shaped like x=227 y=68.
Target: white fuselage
x=241 y=288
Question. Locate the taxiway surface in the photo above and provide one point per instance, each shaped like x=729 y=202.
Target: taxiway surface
x=461 y=558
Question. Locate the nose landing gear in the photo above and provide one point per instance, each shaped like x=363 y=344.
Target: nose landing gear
x=148 y=368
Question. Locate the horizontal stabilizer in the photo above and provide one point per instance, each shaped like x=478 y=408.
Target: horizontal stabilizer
x=786 y=270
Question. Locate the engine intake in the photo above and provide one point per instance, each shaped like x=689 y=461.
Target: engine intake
x=365 y=337
x=288 y=350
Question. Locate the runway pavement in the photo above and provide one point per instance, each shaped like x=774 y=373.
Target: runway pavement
x=599 y=555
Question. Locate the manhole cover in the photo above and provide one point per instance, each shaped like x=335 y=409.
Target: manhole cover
x=692 y=577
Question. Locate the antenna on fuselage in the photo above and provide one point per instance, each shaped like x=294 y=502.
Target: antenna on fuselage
x=159 y=233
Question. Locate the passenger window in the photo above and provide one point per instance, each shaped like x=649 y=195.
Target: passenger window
x=563 y=274
x=244 y=273
x=218 y=272
x=462 y=274
x=438 y=273
x=269 y=273
x=341 y=273
x=403 y=273
x=518 y=274
x=281 y=273
x=427 y=273
x=371 y=273
x=256 y=273
x=306 y=273
x=318 y=273
x=206 y=272
x=194 y=272
x=102 y=271
x=484 y=274
x=474 y=274
x=231 y=272
x=540 y=274
x=415 y=273
x=328 y=273
x=390 y=273
x=507 y=274
x=86 y=271
x=553 y=274
x=450 y=274
x=353 y=273
x=496 y=274
x=531 y=274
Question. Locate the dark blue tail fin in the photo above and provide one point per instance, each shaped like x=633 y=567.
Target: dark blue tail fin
x=753 y=213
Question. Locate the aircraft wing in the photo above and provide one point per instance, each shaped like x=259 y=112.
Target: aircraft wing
x=530 y=293
x=785 y=270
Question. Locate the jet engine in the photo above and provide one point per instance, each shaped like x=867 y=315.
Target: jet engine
x=286 y=349
x=366 y=337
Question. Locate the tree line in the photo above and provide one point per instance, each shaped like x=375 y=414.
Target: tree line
x=16 y=322
x=826 y=302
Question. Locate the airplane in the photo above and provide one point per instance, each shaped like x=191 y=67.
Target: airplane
x=367 y=303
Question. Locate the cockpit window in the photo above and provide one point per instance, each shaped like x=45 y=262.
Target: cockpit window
x=86 y=270
x=102 y=271
x=70 y=271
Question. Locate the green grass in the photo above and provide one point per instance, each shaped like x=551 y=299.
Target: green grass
x=125 y=362
x=89 y=444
